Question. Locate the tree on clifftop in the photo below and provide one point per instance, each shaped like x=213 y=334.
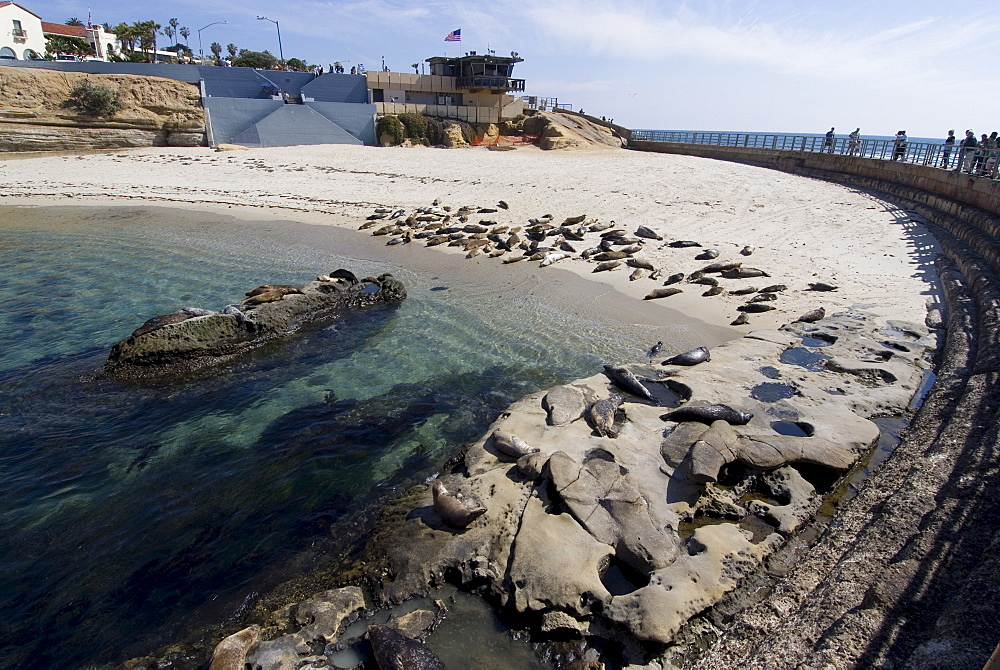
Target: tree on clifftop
x=231 y=48
x=261 y=60
x=64 y=45
x=216 y=49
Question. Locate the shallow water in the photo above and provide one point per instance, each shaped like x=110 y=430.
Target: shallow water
x=133 y=515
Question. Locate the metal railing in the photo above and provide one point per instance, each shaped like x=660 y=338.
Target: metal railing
x=977 y=161
x=483 y=81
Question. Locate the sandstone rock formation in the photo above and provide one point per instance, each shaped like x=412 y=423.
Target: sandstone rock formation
x=157 y=112
x=630 y=537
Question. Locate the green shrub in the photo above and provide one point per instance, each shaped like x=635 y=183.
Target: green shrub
x=435 y=131
x=391 y=126
x=94 y=99
x=415 y=124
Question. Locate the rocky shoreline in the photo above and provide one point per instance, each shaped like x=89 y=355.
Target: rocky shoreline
x=194 y=338
x=618 y=537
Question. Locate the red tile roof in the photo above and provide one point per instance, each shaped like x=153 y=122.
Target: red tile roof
x=11 y=2
x=62 y=29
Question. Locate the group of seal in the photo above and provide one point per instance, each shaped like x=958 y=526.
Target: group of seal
x=543 y=240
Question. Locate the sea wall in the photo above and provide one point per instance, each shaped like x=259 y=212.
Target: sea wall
x=902 y=576
x=943 y=189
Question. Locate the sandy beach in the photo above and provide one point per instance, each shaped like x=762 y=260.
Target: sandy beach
x=803 y=230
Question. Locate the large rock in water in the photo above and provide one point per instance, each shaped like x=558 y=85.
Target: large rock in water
x=180 y=342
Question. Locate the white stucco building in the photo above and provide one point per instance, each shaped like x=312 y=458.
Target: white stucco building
x=21 y=34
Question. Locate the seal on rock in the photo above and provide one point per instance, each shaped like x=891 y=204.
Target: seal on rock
x=511 y=445
x=602 y=415
x=690 y=357
x=624 y=379
x=452 y=510
x=266 y=296
x=346 y=275
x=708 y=414
x=284 y=289
x=812 y=316
x=395 y=651
x=158 y=322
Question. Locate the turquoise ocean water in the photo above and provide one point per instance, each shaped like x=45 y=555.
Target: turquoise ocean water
x=133 y=515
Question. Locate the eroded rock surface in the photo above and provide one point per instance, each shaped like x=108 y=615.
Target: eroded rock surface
x=638 y=533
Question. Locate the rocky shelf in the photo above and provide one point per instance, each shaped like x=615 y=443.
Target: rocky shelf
x=193 y=338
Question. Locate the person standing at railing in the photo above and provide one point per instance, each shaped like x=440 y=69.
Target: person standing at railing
x=949 y=142
x=854 y=142
x=981 y=154
x=968 y=155
x=990 y=165
x=828 y=142
x=899 y=146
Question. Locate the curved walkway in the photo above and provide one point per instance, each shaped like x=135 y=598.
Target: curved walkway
x=906 y=575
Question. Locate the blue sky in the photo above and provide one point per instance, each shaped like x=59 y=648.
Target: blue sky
x=779 y=65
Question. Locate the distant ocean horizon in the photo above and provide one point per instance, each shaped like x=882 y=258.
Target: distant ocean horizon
x=959 y=134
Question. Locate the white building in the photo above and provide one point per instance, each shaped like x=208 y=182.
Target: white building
x=21 y=36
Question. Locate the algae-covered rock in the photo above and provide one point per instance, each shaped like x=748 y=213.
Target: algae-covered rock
x=166 y=345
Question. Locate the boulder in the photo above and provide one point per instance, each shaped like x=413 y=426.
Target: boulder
x=201 y=341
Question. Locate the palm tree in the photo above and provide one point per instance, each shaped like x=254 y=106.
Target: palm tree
x=216 y=51
x=169 y=32
x=74 y=22
x=127 y=35
x=231 y=48
x=185 y=33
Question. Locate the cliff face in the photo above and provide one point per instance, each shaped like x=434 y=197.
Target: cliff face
x=157 y=112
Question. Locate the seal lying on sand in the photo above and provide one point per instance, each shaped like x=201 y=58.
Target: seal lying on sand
x=452 y=509
x=708 y=414
x=395 y=651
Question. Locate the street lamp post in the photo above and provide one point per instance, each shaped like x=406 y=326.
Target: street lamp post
x=201 y=52
x=281 y=54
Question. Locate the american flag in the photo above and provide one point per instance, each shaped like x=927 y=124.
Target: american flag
x=454 y=36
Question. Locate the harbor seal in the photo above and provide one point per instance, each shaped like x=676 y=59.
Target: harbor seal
x=511 y=445
x=741 y=320
x=452 y=510
x=648 y=233
x=764 y=297
x=158 y=322
x=266 y=296
x=744 y=291
x=708 y=414
x=602 y=416
x=690 y=357
x=774 y=288
x=346 y=275
x=744 y=273
x=707 y=255
x=755 y=307
x=715 y=290
x=673 y=279
x=722 y=266
x=822 y=286
x=231 y=652
x=624 y=379
x=683 y=244
x=196 y=311
x=640 y=263
x=395 y=651
x=607 y=265
x=812 y=316
x=284 y=289
x=747 y=250
x=662 y=293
